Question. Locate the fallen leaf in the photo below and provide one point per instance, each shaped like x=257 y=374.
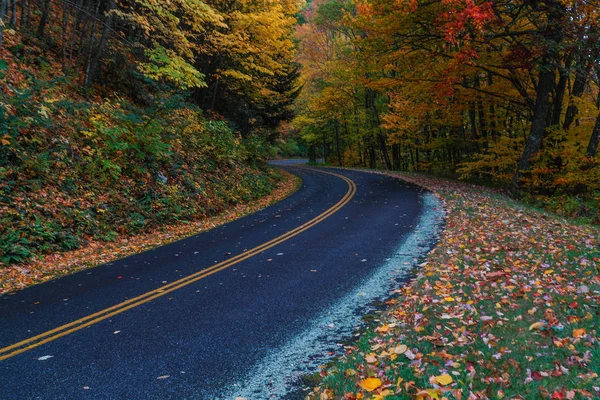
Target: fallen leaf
x=537 y=326
x=370 y=384
x=577 y=333
x=428 y=394
x=444 y=379
x=400 y=349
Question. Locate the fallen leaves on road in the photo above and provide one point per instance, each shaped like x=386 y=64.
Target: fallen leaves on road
x=505 y=307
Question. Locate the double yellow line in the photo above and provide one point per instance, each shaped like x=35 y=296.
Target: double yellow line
x=53 y=334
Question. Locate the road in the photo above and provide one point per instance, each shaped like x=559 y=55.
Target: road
x=241 y=308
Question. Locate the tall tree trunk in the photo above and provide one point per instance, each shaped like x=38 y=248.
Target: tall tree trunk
x=581 y=76
x=96 y=57
x=372 y=158
x=312 y=154
x=23 y=22
x=376 y=123
x=64 y=25
x=13 y=15
x=592 y=148
x=324 y=147
x=396 y=156
x=2 y=14
x=559 y=94
x=44 y=18
x=492 y=117
x=336 y=125
x=539 y=121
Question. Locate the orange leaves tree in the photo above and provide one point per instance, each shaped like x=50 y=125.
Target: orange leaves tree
x=496 y=90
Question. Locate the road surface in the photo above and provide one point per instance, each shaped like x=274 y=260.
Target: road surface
x=216 y=315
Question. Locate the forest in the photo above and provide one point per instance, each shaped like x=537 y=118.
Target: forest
x=504 y=93
x=120 y=116
x=114 y=114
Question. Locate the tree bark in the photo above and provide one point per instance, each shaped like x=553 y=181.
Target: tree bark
x=552 y=36
x=559 y=94
x=539 y=121
x=581 y=76
x=592 y=148
x=396 y=157
x=44 y=18
x=13 y=15
x=336 y=124
x=96 y=58
x=23 y=22
x=372 y=158
x=2 y=14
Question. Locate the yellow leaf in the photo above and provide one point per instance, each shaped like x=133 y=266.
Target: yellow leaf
x=370 y=384
x=384 y=328
x=537 y=325
x=428 y=394
x=548 y=271
x=449 y=299
x=444 y=379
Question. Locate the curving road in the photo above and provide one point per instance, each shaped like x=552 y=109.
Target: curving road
x=212 y=316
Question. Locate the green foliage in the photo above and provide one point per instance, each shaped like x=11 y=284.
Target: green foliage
x=166 y=64
x=291 y=147
x=3 y=68
x=116 y=169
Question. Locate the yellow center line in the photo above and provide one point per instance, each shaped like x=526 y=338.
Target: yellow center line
x=66 y=329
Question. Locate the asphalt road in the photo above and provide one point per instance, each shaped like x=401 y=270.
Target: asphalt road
x=171 y=331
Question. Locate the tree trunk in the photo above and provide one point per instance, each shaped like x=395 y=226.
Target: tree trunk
x=44 y=19
x=592 y=149
x=539 y=121
x=372 y=158
x=581 y=76
x=336 y=124
x=13 y=15
x=312 y=154
x=96 y=58
x=2 y=14
x=23 y=22
x=324 y=147
x=396 y=157
x=559 y=94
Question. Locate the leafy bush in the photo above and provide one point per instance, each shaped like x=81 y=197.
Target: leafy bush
x=71 y=171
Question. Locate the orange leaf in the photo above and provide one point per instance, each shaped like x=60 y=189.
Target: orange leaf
x=577 y=333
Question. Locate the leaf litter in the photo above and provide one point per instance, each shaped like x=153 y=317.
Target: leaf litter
x=505 y=307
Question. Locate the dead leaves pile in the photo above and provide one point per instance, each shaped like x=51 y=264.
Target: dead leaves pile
x=96 y=253
x=506 y=307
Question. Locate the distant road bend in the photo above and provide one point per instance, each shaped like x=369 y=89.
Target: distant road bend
x=238 y=310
